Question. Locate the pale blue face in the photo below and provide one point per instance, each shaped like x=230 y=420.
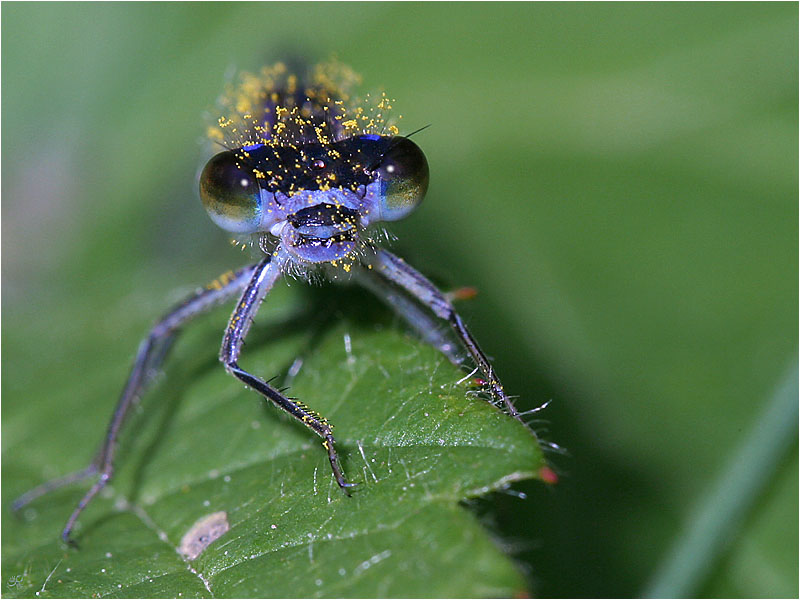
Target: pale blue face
x=315 y=199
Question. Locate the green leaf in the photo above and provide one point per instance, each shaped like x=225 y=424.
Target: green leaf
x=415 y=440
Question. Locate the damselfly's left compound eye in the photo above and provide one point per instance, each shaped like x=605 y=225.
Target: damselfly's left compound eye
x=230 y=193
x=403 y=173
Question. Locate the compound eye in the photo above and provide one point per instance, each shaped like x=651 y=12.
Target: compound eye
x=403 y=173
x=230 y=193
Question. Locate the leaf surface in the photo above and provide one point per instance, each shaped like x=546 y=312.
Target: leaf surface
x=415 y=440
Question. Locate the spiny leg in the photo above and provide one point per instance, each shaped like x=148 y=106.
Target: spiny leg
x=53 y=484
x=151 y=353
x=428 y=326
x=390 y=268
x=263 y=278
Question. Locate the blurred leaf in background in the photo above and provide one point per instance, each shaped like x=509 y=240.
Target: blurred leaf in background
x=618 y=180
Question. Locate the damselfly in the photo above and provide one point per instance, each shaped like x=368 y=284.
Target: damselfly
x=307 y=174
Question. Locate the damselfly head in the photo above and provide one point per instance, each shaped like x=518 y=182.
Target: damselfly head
x=308 y=164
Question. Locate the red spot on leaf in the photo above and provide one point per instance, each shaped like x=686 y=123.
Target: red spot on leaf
x=547 y=475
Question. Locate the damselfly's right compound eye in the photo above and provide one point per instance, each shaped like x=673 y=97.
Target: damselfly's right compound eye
x=230 y=193
x=403 y=174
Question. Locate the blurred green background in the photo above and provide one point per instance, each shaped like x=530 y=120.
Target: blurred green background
x=619 y=181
